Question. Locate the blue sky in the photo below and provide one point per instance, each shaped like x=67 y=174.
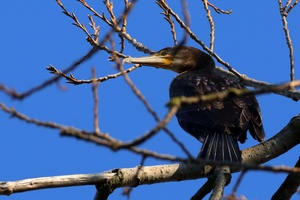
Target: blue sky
x=35 y=34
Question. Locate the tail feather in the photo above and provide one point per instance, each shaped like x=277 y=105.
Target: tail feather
x=220 y=147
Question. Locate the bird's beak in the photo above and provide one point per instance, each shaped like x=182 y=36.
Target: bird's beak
x=154 y=60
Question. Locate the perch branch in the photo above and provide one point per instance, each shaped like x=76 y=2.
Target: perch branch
x=286 y=139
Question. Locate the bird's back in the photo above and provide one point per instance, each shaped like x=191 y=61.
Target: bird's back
x=232 y=116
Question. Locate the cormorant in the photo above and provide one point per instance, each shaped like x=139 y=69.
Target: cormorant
x=219 y=125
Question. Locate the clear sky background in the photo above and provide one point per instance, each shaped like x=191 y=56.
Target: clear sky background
x=35 y=34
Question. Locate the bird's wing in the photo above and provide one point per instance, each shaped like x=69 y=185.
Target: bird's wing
x=234 y=112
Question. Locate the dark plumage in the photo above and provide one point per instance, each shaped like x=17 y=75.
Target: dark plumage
x=219 y=125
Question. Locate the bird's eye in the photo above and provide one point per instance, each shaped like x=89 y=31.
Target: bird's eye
x=164 y=52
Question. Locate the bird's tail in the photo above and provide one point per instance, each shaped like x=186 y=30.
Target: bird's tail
x=220 y=147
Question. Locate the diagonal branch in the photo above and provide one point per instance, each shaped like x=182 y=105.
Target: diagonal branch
x=16 y=95
x=169 y=19
x=166 y=173
x=287 y=92
x=289 y=186
x=192 y=35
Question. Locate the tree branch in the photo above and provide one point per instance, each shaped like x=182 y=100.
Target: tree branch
x=284 y=11
x=286 y=139
x=293 y=94
x=289 y=186
x=223 y=178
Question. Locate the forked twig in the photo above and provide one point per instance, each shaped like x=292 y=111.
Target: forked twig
x=284 y=11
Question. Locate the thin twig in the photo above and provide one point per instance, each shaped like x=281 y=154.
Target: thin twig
x=75 y=81
x=289 y=92
x=83 y=2
x=121 y=31
x=14 y=94
x=211 y=24
x=287 y=140
x=113 y=19
x=17 y=95
x=218 y=10
x=96 y=102
x=123 y=27
x=284 y=11
x=138 y=94
x=197 y=40
x=99 y=139
x=133 y=87
x=187 y=21
x=169 y=19
x=139 y=46
x=161 y=124
x=75 y=19
x=136 y=179
x=238 y=182
x=178 y=101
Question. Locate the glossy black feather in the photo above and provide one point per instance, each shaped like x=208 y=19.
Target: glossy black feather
x=219 y=124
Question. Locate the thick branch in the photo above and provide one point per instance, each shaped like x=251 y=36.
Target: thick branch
x=223 y=178
x=286 y=139
x=10 y=187
x=289 y=186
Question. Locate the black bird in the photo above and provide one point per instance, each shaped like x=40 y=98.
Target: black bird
x=219 y=125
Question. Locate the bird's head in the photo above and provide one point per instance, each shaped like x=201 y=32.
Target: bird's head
x=178 y=59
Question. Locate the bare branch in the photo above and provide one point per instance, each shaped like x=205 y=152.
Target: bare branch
x=101 y=16
x=287 y=138
x=96 y=102
x=289 y=186
x=218 y=10
x=205 y=189
x=284 y=11
x=288 y=92
x=238 y=182
x=75 y=19
x=139 y=46
x=25 y=118
x=10 y=187
x=151 y=133
x=190 y=168
x=212 y=25
x=178 y=101
x=187 y=21
x=100 y=138
x=75 y=81
x=16 y=95
x=175 y=103
x=195 y=38
x=165 y=173
x=168 y=18
x=223 y=178
x=215 y=183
